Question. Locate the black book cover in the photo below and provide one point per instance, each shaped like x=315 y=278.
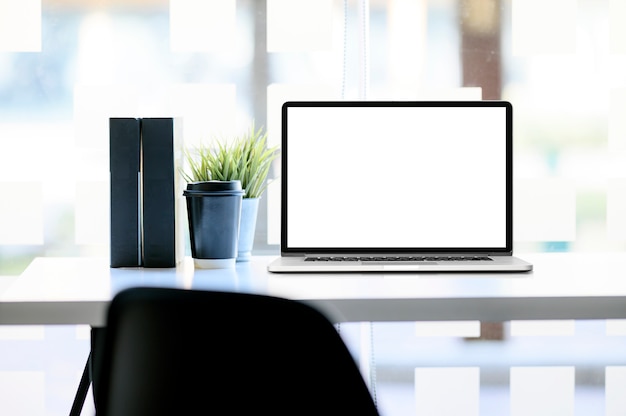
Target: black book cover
x=160 y=189
x=124 y=166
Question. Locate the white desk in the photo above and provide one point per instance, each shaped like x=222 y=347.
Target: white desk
x=562 y=286
x=76 y=291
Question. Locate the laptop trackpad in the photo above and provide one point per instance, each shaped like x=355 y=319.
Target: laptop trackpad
x=405 y=265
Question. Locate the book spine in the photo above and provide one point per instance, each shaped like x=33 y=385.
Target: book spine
x=124 y=166
x=159 y=189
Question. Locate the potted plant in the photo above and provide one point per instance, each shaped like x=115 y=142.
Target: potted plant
x=247 y=159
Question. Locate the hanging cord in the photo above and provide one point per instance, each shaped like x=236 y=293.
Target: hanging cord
x=345 y=48
x=364 y=12
x=363 y=69
x=373 y=365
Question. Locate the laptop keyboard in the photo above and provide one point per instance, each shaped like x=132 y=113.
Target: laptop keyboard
x=399 y=258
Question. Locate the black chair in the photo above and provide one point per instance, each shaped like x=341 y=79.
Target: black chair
x=189 y=352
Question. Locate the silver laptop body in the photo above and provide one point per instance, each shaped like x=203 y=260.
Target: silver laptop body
x=410 y=186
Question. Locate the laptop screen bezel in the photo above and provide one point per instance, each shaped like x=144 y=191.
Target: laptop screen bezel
x=286 y=250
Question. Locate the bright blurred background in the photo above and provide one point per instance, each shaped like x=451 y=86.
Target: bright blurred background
x=66 y=66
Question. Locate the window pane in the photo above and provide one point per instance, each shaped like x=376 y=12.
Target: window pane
x=20 y=26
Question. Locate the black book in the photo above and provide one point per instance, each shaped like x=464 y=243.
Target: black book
x=161 y=191
x=124 y=166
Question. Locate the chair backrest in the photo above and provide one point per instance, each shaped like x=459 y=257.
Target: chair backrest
x=190 y=352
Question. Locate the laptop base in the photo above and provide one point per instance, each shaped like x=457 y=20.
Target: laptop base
x=495 y=264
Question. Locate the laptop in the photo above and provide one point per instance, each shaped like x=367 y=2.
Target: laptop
x=408 y=186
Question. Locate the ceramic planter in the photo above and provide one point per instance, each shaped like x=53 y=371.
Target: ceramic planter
x=249 y=210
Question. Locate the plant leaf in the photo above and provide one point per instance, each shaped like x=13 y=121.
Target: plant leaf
x=246 y=158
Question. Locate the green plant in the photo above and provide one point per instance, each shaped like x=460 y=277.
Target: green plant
x=246 y=158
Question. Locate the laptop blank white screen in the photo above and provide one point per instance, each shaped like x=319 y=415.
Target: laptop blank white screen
x=396 y=177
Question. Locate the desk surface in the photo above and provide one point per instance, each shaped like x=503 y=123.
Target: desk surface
x=561 y=286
